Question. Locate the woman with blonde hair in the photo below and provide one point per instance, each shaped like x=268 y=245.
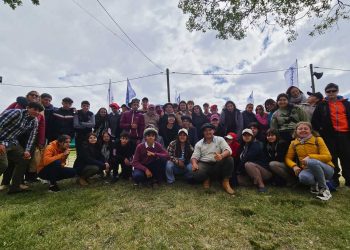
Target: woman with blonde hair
x=310 y=159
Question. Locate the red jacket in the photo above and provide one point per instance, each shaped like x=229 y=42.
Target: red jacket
x=133 y=117
x=234 y=145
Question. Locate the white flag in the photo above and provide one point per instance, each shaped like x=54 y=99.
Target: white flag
x=250 y=99
x=291 y=75
x=130 y=93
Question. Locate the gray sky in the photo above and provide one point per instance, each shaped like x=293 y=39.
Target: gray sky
x=58 y=44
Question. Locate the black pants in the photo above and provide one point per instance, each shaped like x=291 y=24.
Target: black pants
x=222 y=169
x=126 y=170
x=339 y=146
x=55 y=172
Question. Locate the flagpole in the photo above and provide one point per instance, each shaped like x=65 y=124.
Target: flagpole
x=109 y=93
x=297 y=72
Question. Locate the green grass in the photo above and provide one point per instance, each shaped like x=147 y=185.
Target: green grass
x=121 y=216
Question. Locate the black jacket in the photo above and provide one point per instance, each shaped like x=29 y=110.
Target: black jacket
x=248 y=118
x=253 y=153
x=89 y=155
x=321 y=118
x=61 y=123
x=276 y=152
x=114 y=124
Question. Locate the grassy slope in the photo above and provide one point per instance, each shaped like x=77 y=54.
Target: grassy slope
x=179 y=216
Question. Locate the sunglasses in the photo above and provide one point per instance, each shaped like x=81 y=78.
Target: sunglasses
x=35 y=95
x=331 y=91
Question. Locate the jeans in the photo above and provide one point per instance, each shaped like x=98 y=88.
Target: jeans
x=155 y=167
x=14 y=156
x=208 y=170
x=172 y=169
x=316 y=172
x=55 y=172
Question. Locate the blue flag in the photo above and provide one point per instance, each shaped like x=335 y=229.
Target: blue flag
x=250 y=99
x=130 y=93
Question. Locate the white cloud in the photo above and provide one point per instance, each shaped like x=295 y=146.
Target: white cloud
x=56 y=43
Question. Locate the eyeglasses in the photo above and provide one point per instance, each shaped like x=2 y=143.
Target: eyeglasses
x=331 y=91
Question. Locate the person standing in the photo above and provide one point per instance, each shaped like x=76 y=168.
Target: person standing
x=101 y=122
x=231 y=119
x=114 y=121
x=62 y=120
x=46 y=99
x=211 y=156
x=295 y=95
x=13 y=123
x=144 y=105
x=331 y=119
x=151 y=117
x=248 y=115
x=133 y=122
x=311 y=103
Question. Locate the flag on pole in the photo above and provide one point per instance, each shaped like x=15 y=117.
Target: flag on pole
x=110 y=97
x=291 y=75
x=178 y=99
x=250 y=99
x=130 y=93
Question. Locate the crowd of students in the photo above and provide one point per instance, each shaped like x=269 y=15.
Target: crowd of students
x=285 y=142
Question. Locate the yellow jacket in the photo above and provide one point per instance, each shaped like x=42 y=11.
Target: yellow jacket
x=312 y=148
x=51 y=154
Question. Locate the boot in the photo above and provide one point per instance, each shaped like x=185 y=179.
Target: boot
x=82 y=182
x=227 y=187
x=206 y=184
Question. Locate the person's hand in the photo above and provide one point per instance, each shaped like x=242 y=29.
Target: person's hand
x=127 y=162
x=2 y=149
x=26 y=155
x=218 y=157
x=149 y=153
x=297 y=170
x=195 y=167
x=148 y=173
x=66 y=152
x=134 y=126
x=181 y=163
x=304 y=161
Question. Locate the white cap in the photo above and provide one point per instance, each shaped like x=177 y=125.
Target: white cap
x=183 y=130
x=247 y=130
x=229 y=137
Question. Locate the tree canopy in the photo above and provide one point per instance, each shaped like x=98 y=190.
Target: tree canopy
x=15 y=3
x=233 y=18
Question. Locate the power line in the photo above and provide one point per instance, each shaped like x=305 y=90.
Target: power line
x=78 y=86
x=121 y=29
x=231 y=74
x=332 y=69
x=101 y=23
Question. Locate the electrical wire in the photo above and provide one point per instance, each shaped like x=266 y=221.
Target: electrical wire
x=101 y=23
x=78 y=86
x=122 y=30
x=345 y=70
x=232 y=74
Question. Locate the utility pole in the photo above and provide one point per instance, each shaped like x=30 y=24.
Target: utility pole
x=312 y=78
x=168 y=83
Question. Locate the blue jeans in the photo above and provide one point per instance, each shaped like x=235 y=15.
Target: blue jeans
x=172 y=169
x=316 y=172
x=55 y=172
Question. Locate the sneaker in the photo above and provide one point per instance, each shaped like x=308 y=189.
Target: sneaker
x=314 y=189
x=324 y=195
x=262 y=190
x=54 y=189
x=4 y=187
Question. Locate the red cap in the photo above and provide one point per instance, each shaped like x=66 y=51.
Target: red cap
x=214 y=116
x=114 y=105
x=214 y=106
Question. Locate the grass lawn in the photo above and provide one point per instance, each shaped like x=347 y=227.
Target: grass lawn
x=121 y=216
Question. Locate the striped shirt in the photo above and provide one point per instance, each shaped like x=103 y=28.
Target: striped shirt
x=15 y=122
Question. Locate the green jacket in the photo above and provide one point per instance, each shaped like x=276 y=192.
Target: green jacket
x=287 y=119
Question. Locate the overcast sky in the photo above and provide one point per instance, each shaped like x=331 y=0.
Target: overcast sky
x=58 y=44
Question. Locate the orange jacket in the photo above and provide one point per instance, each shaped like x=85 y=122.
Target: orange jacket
x=52 y=153
x=338 y=116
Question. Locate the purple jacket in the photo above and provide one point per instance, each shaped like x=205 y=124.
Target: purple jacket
x=133 y=117
x=141 y=159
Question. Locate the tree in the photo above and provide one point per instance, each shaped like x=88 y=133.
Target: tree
x=233 y=18
x=15 y=3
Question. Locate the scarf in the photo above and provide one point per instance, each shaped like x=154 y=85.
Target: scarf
x=263 y=120
x=305 y=139
x=297 y=100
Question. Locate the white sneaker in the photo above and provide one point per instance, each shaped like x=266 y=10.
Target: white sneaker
x=324 y=195
x=3 y=187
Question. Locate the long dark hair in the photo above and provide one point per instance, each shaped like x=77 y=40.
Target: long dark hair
x=188 y=151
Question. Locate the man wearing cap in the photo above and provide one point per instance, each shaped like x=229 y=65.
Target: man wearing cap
x=14 y=123
x=62 y=120
x=331 y=119
x=133 y=122
x=215 y=121
x=151 y=117
x=311 y=103
x=180 y=152
x=114 y=121
x=144 y=104
x=212 y=156
x=192 y=132
x=149 y=159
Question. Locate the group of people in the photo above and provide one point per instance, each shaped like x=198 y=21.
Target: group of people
x=285 y=142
